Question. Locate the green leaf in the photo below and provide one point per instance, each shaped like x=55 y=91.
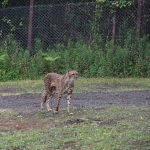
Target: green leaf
x=51 y=58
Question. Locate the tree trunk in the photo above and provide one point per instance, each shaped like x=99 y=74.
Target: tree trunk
x=139 y=17
x=30 y=26
x=114 y=26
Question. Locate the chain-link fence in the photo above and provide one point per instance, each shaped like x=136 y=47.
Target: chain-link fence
x=53 y=24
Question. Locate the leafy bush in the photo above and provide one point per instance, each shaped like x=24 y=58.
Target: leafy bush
x=128 y=58
x=16 y=64
x=131 y=59
x=79 y=57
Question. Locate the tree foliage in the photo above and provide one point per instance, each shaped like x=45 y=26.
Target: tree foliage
x=17 y=3
x=117 y=3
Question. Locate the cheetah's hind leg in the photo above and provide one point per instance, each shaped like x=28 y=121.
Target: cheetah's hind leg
x=49 y=97
x=44 y=99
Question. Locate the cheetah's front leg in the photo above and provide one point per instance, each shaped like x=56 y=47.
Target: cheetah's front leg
x=68 y=101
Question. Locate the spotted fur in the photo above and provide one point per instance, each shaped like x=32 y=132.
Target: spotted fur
x=64 y=84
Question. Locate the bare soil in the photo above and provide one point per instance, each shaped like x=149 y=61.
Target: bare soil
x=93 y=99
x=29 y=104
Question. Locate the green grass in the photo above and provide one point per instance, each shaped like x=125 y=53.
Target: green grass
x=103 y=128
x=81 y=85
x=107 y=127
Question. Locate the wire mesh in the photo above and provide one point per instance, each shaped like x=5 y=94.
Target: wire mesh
x=53 y=24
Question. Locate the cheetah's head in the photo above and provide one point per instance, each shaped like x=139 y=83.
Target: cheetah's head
x=73 y=75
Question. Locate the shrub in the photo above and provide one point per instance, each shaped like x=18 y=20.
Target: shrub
x=128 y=58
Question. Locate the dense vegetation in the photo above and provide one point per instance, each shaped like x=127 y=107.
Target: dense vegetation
x=14 y=3
x=97 y=57
x=128 y=58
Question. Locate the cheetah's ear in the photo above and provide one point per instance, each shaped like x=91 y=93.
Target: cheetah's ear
x=69 y=74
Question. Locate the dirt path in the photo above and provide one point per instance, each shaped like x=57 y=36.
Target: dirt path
x=32 y=101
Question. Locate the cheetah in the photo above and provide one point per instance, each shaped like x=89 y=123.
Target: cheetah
x=63 y=83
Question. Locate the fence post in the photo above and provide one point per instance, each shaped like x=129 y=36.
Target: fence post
x=114 y=26
x=30 y=26
x=139 y=17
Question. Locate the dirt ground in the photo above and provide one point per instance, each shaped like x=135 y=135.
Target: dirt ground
x=32 y=101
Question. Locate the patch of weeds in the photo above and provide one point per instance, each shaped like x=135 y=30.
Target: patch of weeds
x=125 y=127
x=23 y=140
x=142 y=144
x=45 y=121
x=69 y=145
x=42 y=114
x=8 y=114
